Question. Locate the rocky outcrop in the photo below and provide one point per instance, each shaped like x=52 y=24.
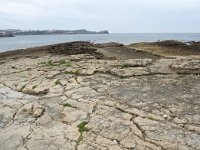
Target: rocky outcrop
x=74 y=48
x=183 y=66
x=169 y=48
x=77 y=101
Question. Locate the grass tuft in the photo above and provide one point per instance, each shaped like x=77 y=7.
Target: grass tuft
x=72 y=72
x=125 y=66
x=23 y=87
x=81 y=129
x=68 y=105
x=58 y=82
x=34 y=86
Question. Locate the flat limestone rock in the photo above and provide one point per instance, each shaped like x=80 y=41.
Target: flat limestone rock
x=95 y=102
x=186 y=66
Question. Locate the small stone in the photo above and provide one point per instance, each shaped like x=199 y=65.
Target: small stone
x=165 y=116
x=90 y=71
x=26 y=108
x=44 y=119
x=37 y=110
x=72 y=80
x=128 y=142
x=71 y=115
x=179 y=121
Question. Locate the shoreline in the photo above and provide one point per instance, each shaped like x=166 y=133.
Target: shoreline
x=141 y=46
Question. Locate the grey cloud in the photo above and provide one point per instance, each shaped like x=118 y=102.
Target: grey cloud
x=116 y=16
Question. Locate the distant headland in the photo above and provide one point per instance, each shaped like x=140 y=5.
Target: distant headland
x=6 y=34
x=13 y=32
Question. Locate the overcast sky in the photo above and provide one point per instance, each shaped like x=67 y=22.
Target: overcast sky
x=117 y=16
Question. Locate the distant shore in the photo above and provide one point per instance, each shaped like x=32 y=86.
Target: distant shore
x=49 y=32
x=5 y=34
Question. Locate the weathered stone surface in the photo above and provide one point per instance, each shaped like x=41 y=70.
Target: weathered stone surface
x=72 y=115
x=45 y=119
x=6 y=115
x=136 y=62
x=99 y=104
x=9 y=142
x=173 y=138
x=31 y=108
x=87 y=107
x=187 y=66
x=129 y=72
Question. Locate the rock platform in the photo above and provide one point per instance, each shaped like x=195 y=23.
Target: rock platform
x=84 y=102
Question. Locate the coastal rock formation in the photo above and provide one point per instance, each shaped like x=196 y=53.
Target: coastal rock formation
x=78 y=101
x=169 y=48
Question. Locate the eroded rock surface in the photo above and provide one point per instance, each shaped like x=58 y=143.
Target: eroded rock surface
x=81 y=102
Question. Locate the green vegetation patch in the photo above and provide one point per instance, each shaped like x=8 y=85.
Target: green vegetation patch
x=23 y=87
x=81 y=129
x=64 y=62
x=34 y=86
x=58 y=82
x=68 y=105
x=72 y=72
x=125 y=66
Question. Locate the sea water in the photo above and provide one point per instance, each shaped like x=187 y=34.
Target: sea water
x=27 y=41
